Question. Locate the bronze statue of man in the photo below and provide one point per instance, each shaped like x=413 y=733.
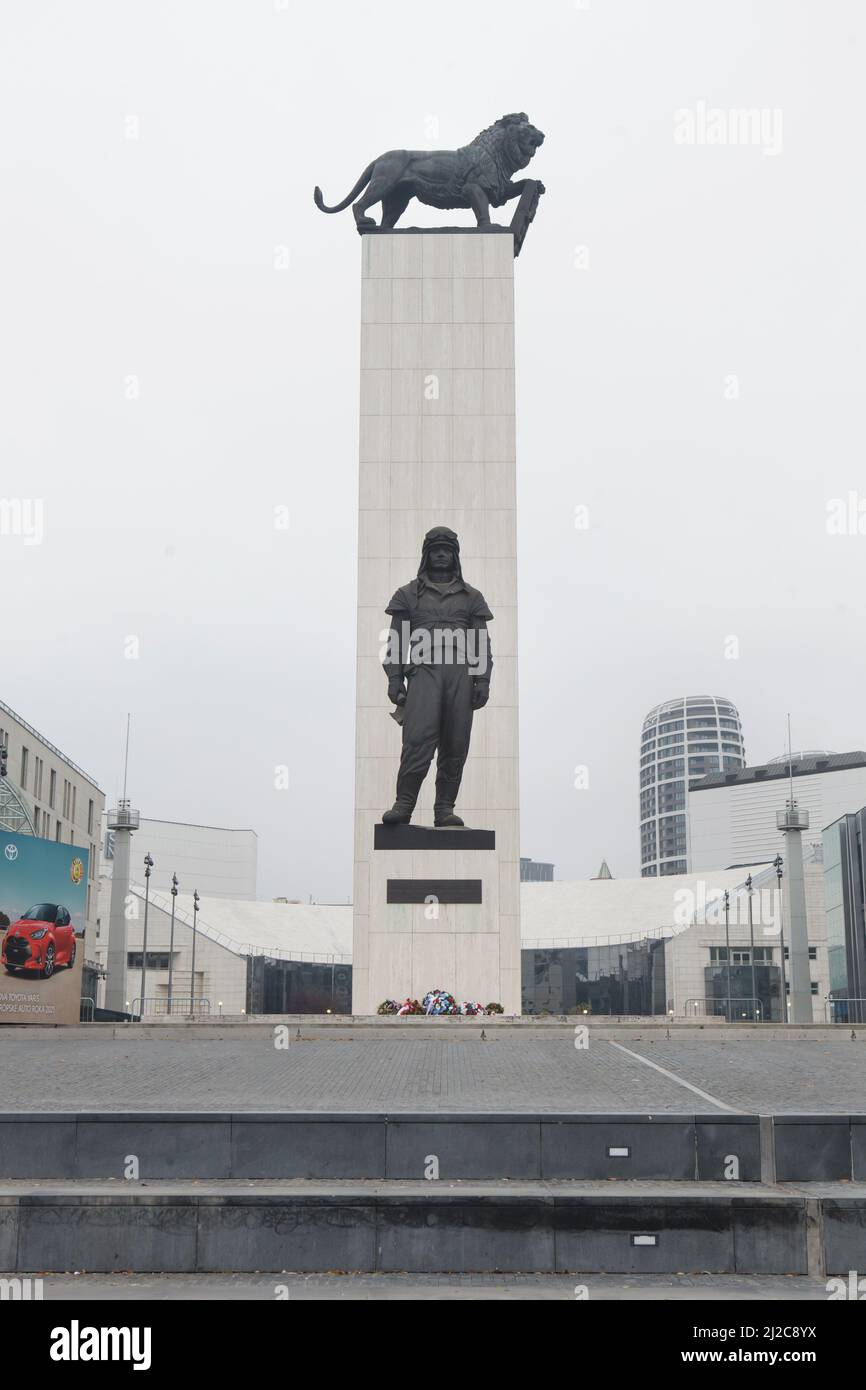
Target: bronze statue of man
x=438 y=667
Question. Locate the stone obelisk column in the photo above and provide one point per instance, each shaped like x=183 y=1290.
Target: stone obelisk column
x=434 y=908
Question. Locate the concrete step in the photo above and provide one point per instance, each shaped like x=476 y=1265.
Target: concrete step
x=428 y=1227
x=336 y=1145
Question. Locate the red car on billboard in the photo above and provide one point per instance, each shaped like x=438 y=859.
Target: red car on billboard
x=41 y=939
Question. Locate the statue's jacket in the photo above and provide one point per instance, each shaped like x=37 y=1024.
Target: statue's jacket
x=438 y=624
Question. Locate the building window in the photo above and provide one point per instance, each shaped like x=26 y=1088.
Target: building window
x=25 y=758
x=52 y=789
x=90 y=817
x=58 y=831
x=813 y=953
x=156 y=960
x=741 y=955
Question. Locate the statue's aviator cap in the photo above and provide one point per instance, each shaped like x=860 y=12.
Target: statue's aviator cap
x=440 y=535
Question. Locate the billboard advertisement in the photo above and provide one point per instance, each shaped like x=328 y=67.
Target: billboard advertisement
x=43 y=907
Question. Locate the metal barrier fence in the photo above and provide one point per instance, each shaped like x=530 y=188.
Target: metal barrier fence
x=159 y=1007
x=86 y=1013
x=735 y=1010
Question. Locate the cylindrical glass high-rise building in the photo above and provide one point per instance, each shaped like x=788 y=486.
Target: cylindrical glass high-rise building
x=681 y=740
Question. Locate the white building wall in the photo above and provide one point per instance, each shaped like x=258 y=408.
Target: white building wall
x=688 y=953
x=218 y=861
x=736 y=824
x=220 y=974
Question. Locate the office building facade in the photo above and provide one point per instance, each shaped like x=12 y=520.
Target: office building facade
x=681 y=740
x=535 y=871
x=732 y=814
x=845 y=905
x=638 y=947
x=45 y=793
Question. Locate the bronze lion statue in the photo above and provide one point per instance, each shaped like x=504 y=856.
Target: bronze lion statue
x=476 y=176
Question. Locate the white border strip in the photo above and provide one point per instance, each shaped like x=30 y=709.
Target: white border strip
x=704 y=1095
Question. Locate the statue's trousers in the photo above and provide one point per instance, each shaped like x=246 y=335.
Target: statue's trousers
x=438 y=716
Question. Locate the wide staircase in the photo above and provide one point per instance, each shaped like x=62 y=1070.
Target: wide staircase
x=462 y=1193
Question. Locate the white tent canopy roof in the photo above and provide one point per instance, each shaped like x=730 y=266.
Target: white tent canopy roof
x=552 y=914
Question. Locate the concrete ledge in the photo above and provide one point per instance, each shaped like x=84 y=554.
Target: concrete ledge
x=813 y=1148
x=183 y=1147
x=532 y=1228
x=461 y=1028
x=314 y=1145
x=844 y=1235
x=37 y=1146
x=295 y=1146
x=622 y=1146
x=727 y=1144
x=464 y=1147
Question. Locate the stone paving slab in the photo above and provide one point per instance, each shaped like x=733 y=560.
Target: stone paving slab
x=769 y=1076
x=296 y=1288
x=518 y=1075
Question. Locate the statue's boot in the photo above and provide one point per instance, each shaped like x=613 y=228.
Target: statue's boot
x=448 y=777
x=414 y=762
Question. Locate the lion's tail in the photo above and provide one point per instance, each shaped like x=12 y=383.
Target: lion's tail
x=349 y=198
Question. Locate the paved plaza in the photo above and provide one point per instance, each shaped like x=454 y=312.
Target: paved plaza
x=87 y=1073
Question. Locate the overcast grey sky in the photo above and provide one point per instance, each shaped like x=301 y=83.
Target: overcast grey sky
x=690 y=366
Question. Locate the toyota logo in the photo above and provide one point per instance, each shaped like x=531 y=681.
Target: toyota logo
x=11 y=851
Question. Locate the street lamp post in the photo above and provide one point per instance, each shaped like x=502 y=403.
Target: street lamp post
x=195 y=901
x=777 y=865
x=171 y=939
x=148 y=865
x=728 y=946
x=752 y=948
